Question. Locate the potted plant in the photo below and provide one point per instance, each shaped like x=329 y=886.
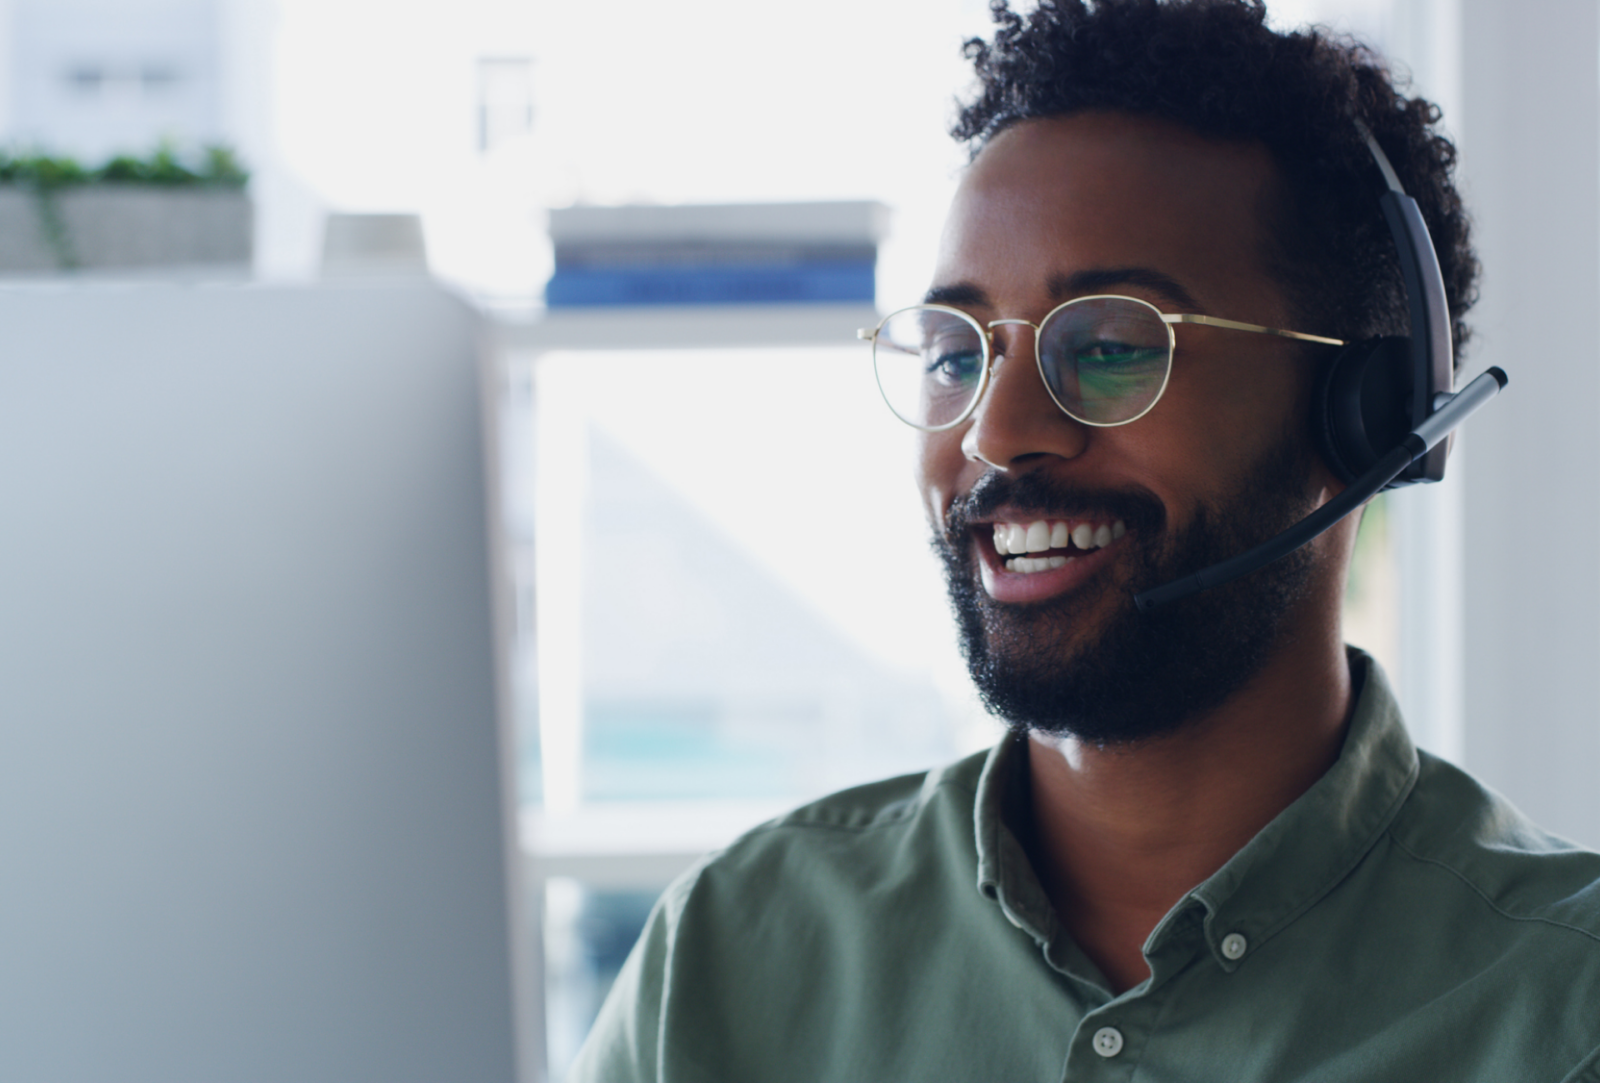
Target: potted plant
x=159 y=210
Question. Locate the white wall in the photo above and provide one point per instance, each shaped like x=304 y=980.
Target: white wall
x=1530 y=136
x=156 y=64
x=252 y=819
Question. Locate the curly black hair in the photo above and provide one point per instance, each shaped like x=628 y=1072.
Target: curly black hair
x=1215 y=67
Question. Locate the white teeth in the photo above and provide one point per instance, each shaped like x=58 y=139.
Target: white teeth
x=1013 y=539
x=1038 y=536
x=1029 y=565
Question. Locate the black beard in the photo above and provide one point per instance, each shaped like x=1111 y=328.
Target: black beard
x=1144 y=674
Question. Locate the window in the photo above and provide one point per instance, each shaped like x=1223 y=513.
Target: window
x=726 y=552
x=505 y=100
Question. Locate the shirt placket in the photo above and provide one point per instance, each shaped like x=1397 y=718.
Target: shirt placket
x=1110 y=1040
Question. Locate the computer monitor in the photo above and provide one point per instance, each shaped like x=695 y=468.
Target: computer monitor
x=253 y=817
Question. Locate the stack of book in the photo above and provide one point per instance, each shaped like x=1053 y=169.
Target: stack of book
x=754 y=253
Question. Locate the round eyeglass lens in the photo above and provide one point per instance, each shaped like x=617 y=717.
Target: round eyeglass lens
x=1105 y=359
x=929 y=363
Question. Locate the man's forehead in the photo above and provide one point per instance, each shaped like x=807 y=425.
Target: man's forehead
x=1097 y=193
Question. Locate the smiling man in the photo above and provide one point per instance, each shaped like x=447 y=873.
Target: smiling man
x=1207 y=850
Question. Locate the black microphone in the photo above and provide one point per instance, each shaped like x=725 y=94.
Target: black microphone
x=1449 y=411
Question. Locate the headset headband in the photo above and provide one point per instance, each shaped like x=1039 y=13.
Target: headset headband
x=1432 y=353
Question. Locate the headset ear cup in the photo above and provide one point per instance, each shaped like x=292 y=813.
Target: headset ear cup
x=1361 y=407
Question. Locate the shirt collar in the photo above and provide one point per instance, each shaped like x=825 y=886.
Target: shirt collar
x=1290 y=864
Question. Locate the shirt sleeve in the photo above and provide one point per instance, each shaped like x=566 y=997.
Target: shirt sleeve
x=624 y=1045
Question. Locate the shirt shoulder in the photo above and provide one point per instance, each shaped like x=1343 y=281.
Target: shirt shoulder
x=807 y=925
x=1524 y=876
x=879 y=804
x=823 y=854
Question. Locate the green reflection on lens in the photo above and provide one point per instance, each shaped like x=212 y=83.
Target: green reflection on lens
x=1105 y=359
x=1118 y=382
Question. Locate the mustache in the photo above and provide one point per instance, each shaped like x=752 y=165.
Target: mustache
x=1136 y=506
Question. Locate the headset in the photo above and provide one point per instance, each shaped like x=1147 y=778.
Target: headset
x=1381 y=408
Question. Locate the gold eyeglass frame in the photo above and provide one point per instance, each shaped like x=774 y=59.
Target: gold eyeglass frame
x=986 y=336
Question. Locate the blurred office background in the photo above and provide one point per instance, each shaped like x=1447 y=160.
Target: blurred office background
x=715 y=597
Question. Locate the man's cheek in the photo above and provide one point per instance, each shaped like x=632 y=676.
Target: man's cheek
x=939 y=473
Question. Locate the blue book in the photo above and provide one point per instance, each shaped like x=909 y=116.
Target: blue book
x=726 y=284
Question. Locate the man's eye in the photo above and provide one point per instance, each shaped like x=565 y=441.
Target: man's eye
x=1112 y=353
x=955 y=366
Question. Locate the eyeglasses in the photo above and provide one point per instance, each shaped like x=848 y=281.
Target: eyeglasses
x=1104 y=359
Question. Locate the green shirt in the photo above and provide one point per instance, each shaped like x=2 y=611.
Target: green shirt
x=1397 y=922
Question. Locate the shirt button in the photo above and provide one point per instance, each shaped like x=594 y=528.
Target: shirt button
x=1234 y=946
x=1108 y=1041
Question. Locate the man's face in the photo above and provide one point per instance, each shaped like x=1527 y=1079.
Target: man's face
x=1107 y=203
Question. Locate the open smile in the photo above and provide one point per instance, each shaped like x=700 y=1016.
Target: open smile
x=1031 y=559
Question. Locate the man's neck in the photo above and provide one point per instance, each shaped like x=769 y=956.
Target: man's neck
x=1119 y=835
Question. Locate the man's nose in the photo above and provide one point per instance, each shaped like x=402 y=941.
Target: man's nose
x=1017 y=425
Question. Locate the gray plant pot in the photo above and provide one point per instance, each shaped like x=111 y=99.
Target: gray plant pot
x=116 y=225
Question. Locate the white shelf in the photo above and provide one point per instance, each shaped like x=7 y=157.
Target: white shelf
x=682 y=326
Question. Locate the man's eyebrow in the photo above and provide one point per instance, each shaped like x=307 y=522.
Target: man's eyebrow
x=1063 y=287
x=957 y=295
